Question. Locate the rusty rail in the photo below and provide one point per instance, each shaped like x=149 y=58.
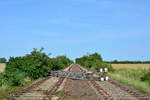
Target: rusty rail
x=137 y=95
x=100 y=90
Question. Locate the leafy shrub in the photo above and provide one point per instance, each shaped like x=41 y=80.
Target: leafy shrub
x=16 y=78
x=93 y=61
x=89 y=59
x=146 y=77
x=33 y=66
x=60 y=62
x=64 y=60
x=1 y=79
x=99 y=64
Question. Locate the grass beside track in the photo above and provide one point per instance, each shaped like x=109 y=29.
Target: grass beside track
x=6 y=90
x=131 y=76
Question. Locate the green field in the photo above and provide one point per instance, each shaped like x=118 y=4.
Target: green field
x=131 y=74
x=131 y=66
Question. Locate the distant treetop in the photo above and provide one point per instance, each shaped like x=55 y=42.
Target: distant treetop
x=3 y=60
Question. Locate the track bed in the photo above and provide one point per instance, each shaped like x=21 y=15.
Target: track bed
x=54 y=88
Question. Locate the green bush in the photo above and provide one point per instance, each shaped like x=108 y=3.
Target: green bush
x=146 y=77
x=64 y=60
x=35 y=65
x=93 y=61
x=99 y=64
x=60 y=62
x=89 y=59
x=16 y=78
x=1 y=79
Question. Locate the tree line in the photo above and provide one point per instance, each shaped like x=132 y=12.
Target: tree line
x=127 y=62
x=3 y=60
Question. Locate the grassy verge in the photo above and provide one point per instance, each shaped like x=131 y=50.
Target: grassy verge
x=132 y=77
x=6 y=90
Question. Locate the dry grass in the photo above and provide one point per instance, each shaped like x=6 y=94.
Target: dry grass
x=2 y=67
x=131 y=66
x=131 y=74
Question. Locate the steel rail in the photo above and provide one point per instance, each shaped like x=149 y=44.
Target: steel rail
x=137 y=95
x=34 y=85
x=26 y=89
x=100 y=90
x=54 y=88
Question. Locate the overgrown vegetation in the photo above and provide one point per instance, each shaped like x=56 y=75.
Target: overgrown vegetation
x=60 y=62
x=93 y=61
x=32 y=66
x=22 y=70
x=137 y=78
x=146 y=77
x=4 y=91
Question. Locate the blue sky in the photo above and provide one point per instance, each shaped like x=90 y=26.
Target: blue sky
x=118 y=29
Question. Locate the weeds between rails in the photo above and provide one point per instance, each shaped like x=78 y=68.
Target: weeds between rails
x=34 y=85
x=137 y=95
x=54 y=88
x=100 y=90
x=27 y=89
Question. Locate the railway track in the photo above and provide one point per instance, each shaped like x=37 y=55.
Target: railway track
x=55 y=88
x=47 y=88
x=132 y=92
x=104 y=94
x=36 y=92
x=108 y=95
x=26 y=89
x=84 y=89
x=77 y=89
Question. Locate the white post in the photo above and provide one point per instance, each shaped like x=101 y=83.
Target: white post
x=101 y=70
x=106 y=78
x=102 y=78
x=105 y=69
